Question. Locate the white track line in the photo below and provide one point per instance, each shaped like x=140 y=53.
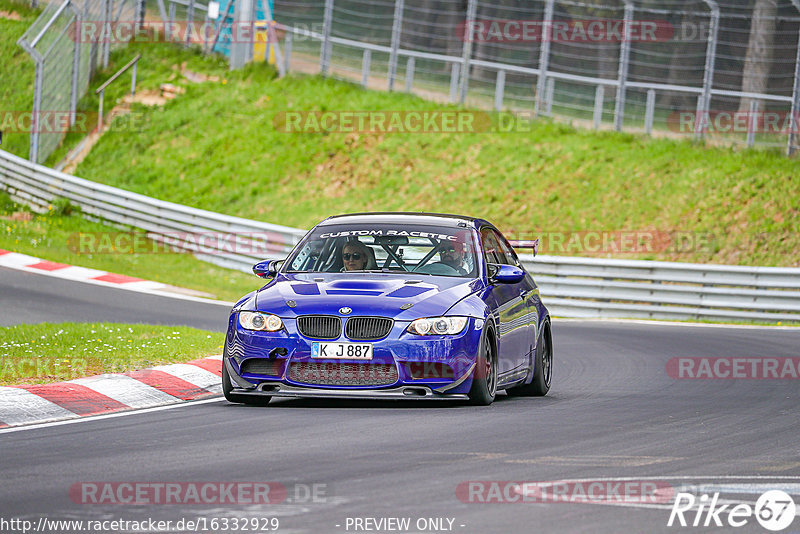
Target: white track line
x=107 y=416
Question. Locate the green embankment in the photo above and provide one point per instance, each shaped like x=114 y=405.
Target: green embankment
x=53 y=352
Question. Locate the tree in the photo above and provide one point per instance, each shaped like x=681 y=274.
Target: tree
x=758 y=60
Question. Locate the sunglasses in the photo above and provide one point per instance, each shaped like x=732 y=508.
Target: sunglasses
x=448 y=250
x=355 y=256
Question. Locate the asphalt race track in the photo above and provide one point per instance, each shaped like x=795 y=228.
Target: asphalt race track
x=614 y=412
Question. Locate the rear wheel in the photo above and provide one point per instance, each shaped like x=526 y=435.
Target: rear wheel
x=484 y=379
x=227 y=390
x=542 y=368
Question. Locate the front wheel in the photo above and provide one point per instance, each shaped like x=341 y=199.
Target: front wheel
x=542 y=368
x=484 y=379
x=227 y=391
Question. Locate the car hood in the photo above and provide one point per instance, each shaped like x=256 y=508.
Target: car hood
x=384 y=295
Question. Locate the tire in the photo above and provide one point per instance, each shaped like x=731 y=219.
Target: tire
x=542 y=368
x=227 y=391
x=484 y=378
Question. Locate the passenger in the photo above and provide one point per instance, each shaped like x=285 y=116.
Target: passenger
x=452 y=255
x=355 y=256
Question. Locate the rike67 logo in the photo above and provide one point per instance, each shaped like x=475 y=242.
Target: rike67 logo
x=774 y=510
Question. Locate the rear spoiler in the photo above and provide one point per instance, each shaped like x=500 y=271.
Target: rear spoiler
x=532 y=244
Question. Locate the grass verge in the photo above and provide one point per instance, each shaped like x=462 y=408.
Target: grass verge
x=16 y=88
x=52 y=236
x=53 y=352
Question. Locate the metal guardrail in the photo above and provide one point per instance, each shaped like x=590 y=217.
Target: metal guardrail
x=174 y=225
x=571 y=286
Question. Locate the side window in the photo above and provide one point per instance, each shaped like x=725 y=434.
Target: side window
x=491 y=250
x=507 y=251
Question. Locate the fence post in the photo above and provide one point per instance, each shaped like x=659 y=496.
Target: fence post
x=752 y=123
x=410 y=64
x=36 y=111
x=544 y=54
x=624 y=59
x=649 y=110
x=466 y=50
x=325 y=53
x=597 y=116
x=397 y=27
x=454 y=69
x=141 y=10
x=794 y=124
x=76 y=69
x=701 y=119
x=241 y=50
x=189 y=21
x=549 y=95
x=107 y=34
x=365 y=66
x=499 y=90
x=287 y=50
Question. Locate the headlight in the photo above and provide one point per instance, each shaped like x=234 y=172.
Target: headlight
x=260 y=321
x=442 y=326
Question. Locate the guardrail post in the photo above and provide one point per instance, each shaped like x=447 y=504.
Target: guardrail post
x=794 y=124
x=752 y=123
x=499 y=90
x=649 y=111
x=365 y=66
x=597 y=116
x=397 y=27
x=624 y=59
x=703 y=103
x=410 y=74
x=325 y=52
x=466 y=51
x=544 y=53
x=454 y=82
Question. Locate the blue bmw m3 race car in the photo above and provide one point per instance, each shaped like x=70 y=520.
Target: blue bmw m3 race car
x=391 y=306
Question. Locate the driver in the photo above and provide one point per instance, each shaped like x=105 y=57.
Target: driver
x=355 y=256
x=452 y=255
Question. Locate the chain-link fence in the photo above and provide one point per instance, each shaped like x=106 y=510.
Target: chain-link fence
x=68 y=42
x=727 y=72
x=724 y=71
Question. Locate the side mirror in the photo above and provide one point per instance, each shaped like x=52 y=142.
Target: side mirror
x=267 y=268
x=506 y=274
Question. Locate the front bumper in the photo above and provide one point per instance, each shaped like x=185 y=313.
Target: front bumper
x=399 y=349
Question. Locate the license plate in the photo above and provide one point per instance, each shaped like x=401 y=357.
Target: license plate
x=342 y=351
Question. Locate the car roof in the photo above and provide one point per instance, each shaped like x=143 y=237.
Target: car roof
x=435 y=219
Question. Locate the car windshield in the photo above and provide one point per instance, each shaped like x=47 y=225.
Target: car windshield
x=433 y=250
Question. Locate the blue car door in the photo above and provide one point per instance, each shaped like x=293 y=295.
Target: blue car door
x=511 y=313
